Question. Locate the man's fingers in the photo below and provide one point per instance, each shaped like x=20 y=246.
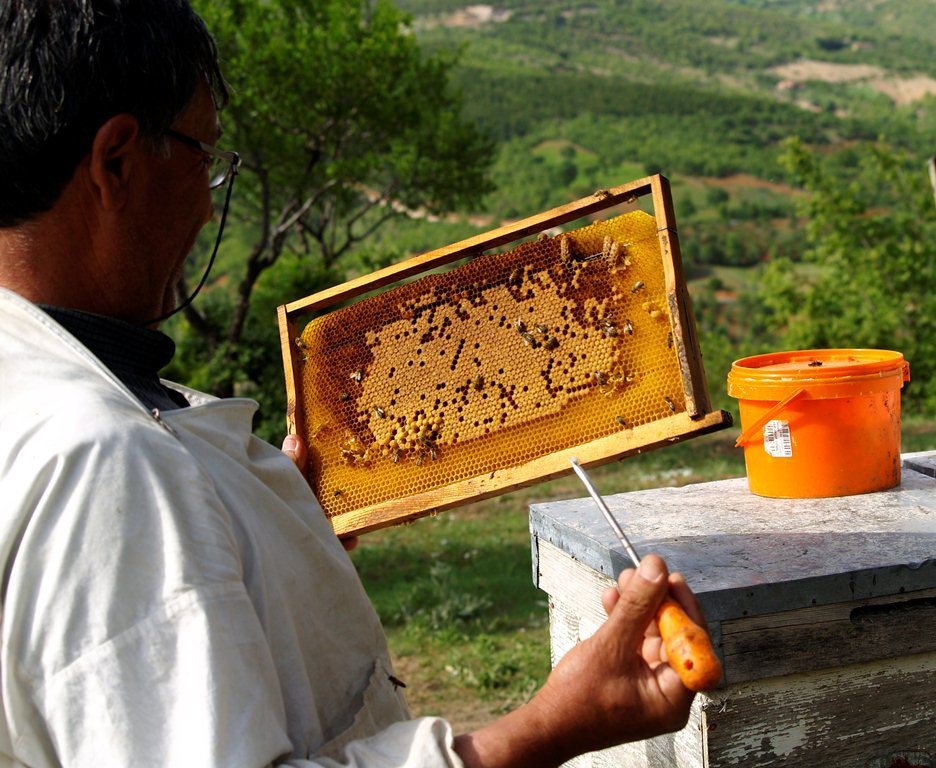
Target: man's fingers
x=679 y=590
x=653 y=651
x=609 y=598
x=673 y=689
x=296 y=450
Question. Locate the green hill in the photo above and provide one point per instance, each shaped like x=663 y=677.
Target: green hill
x=697 y=88
x=585 y=95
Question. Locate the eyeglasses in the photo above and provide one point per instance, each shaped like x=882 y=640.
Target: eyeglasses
x=223 y=164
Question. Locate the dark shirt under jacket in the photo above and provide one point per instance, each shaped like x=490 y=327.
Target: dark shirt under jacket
x=134 y=354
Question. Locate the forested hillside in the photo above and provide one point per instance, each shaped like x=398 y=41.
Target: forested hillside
x=589 y=94
x=794 y=134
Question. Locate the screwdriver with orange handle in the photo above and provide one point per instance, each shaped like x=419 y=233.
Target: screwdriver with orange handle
x=688 y=646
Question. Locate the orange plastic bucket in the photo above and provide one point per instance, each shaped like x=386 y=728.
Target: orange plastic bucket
x=820 y=422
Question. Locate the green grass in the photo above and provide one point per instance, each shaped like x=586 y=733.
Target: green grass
x=468 y=630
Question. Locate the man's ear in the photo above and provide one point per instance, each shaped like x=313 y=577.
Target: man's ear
x=113 y=160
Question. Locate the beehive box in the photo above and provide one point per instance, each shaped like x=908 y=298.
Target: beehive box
x=488 y=376
x=823 y=612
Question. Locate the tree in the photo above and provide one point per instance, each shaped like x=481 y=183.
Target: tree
x=342 y=123
x=872 y=238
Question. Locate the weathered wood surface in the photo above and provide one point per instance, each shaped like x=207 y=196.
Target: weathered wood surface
x=817 y=637
x=288 y=330
x=685 y=335
x=737 y=549
x=829 y=636
x=841 y=718
x=823 y=610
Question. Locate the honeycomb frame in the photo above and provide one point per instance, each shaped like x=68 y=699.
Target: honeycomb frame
x=391 y=438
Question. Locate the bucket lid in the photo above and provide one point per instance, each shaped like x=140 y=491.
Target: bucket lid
x=821 y=371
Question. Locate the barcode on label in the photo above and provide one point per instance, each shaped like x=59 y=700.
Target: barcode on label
x=777 y=440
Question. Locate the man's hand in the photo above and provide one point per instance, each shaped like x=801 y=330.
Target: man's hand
x=295 y=448
x=612 y=688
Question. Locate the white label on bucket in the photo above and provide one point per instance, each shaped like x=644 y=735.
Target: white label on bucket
x=777 y=439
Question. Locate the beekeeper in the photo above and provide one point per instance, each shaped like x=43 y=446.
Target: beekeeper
x=172 y=593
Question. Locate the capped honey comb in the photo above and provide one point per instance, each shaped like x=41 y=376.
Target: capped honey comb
x=418 y=398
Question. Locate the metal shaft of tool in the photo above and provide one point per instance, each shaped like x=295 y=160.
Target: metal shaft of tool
x=622 y=537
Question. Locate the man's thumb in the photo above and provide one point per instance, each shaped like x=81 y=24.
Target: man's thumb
x=640 y=597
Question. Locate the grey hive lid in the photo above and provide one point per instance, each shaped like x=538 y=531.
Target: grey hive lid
x=735 y=548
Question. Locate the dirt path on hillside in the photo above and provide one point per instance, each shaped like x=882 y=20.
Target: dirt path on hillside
x=901 y=90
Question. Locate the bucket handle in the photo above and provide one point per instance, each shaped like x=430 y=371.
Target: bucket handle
x=753 y=429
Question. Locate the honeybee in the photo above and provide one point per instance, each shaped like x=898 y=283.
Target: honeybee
x=601 y=194
x=516 y=277
x=637 y=286
x=338 y=492
x=478 y=383
x=544 y=330
x=379 y=412
x=565 y=250
x=344 y=397
x=628 y=328
x=551 y=343
x=357 y=375
x=670 y=404
x=520 y=325
x=621 y=420
x=528 y=339
x=543 y=236
x=669 y=340
x=601 y=377
x=630 y=199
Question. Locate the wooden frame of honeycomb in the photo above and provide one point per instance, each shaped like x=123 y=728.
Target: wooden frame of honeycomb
x=490 y=376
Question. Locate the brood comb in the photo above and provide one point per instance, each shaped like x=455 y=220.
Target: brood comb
x=471 y=382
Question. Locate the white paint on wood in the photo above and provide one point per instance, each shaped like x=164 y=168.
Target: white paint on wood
x=570 y=582
x=786 y=742
x=839 y=717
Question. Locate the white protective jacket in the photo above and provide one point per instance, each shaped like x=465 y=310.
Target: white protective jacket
x=172 y=593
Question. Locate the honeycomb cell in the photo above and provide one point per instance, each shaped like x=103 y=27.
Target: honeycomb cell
x=511 y=357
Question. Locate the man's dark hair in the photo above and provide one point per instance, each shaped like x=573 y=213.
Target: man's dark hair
x=68 y=66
